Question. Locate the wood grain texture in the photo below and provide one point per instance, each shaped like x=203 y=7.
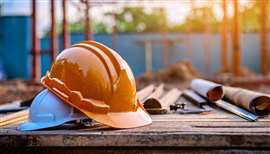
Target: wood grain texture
x=215 y=129
x=169 y=133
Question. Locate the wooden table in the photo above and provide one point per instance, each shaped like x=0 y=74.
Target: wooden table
x=217 y=131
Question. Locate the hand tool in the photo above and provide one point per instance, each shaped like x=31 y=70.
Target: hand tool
x=189 y=96
x=14 y=109
x=236 y=110
x=197 y=100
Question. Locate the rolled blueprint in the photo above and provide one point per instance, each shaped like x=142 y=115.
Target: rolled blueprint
x=256 y=102
x=210 y=90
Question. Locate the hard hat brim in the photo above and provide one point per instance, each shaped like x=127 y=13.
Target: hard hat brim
x=122 y=119
x=29 y=126
x=126 y=119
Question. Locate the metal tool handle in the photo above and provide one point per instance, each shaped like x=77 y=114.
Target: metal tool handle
x=236 y=110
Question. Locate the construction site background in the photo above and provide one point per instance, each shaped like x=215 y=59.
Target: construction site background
x=213 y=35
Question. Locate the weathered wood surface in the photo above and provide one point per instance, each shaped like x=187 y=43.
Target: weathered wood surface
x=217 y=129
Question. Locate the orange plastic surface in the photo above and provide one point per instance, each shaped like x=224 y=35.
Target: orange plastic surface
x=97 y=81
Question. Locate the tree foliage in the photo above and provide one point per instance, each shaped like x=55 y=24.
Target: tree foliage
x=138 y=20
x=154 y=20
x=197 y=21
x=250 y=17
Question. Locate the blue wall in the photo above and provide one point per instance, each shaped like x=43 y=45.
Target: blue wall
x=133 y=52
x=15 y=47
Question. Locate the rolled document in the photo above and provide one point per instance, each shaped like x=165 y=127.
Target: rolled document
x=162 y=104
x=151 y=101
x=210 y=90
x=145 y=92
x=256 y=102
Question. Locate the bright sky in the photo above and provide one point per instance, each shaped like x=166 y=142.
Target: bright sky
x=176 y=9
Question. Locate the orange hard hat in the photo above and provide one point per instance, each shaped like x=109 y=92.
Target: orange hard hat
x=97 y=81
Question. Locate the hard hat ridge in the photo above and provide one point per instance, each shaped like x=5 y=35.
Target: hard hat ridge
x=105 y=91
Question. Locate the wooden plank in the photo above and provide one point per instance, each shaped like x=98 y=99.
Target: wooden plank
x=16 y=120
x=105 y=138
x=160 y=134
x=216 y=129
x=14 y=117
x=136 y=150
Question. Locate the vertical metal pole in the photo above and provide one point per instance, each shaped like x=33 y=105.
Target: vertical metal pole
x=87 y=28
x=35 y=44
x=264 y=37
x=165 y=49
x=164 y=39
x=174 y=52
x=148 y=55
x=236 y=40
x=65 y=25
x=189 y=34
x=207 y=39
x=114 y=32
x=224 y=38
x=53 y=32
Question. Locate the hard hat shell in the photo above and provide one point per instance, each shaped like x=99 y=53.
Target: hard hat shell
x=97 y=81
x=47 y=110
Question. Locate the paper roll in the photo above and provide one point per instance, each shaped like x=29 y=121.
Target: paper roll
x=210 y=90
x=256 y=102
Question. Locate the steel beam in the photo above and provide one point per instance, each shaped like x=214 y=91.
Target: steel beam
x=148 y=56
x=207 y=39
x=65 y=25
x=189 y=33
x=35 y=44
x=224 y=38
x=236 y=40
x=164 y=38
x=264 y=37
x=53 y=32
x=114 y=31
x=87 y=28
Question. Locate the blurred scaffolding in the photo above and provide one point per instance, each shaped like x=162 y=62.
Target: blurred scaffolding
x=230 y=14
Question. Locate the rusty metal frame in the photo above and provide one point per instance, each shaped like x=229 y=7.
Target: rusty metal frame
x=224 y=38
x=66 y=37
x=53 y=33
x=114 y=31
x=207 y=39
x=164 y=40
x=189 y=34
x=264 y=37
x=87 y=28
x=35 y=44
x=236 y=56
